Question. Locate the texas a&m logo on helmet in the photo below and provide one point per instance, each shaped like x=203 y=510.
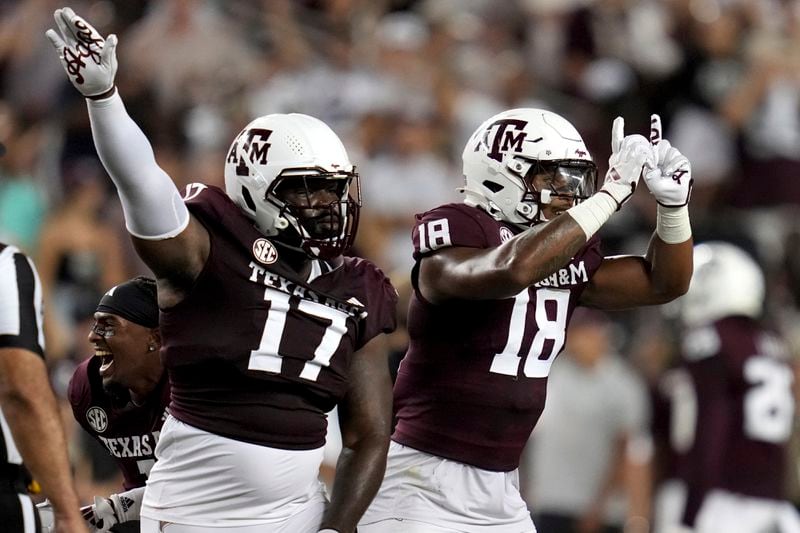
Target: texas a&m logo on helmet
x=254 y=147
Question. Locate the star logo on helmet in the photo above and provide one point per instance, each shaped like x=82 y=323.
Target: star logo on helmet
x=265 y=252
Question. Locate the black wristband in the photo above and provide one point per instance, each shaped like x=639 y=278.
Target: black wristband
x=102 y=96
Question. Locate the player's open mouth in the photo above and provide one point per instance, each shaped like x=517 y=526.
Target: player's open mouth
x=107 y=357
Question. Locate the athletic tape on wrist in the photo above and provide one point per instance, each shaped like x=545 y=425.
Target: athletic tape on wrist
x=673 y=225
x=593 y=213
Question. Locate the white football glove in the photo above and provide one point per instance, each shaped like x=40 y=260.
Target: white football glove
x=46 y=516
x=630 y=156
x=107 y=512
x=90 y=60
x=671 y=181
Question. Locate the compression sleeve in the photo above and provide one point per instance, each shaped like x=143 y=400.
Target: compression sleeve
x=152 y=205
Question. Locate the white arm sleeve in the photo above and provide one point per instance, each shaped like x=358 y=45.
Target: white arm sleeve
x=152 y=205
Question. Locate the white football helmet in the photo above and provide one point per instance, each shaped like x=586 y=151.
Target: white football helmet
x=726 y=282
x=279 y=147
x=504 y=154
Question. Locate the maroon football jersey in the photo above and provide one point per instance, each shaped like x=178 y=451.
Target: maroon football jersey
x=673 y=421
x=473 y=382
x=253 y=352
x=129 y=432
x=745 y=411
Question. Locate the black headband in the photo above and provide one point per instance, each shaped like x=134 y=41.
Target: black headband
x=134 y=300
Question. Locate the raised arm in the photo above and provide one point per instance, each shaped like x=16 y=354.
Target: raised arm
x=172 y=243
x=365 y=417
x=504 y=271
x=665 y=271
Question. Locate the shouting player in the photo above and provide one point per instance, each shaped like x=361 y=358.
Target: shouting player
x=265 y=325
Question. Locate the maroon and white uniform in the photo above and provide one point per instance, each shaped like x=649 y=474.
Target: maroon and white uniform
x=673 y=427
x=473 y=382
x=128 y=432
x=257 y=356
x=745 y=413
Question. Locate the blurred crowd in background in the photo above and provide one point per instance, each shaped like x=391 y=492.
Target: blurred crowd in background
x=404 y=83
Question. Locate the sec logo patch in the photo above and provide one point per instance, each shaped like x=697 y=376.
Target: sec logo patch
x=97 y=418
x=265 y=251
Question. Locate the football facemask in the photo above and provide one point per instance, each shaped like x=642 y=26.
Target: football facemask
x=322 y=208
x=567 y=180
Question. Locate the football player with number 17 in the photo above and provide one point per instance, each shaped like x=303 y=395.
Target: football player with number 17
x=265 y=325
x=495 y=282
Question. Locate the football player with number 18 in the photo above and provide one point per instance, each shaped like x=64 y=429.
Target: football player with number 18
x=265 y=325
x=495 y=282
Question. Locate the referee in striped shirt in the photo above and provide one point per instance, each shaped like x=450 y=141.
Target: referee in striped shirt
x=29 y=417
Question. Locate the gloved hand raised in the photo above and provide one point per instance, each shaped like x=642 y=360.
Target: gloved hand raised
x=630 y=156
x=671 y=181
x=89 y=60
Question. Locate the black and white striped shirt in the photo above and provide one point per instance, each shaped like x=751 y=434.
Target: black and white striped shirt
x=20 y=322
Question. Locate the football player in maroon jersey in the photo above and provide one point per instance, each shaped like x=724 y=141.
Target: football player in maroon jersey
x=744 y=408
x=265 y=325
x=495 y=283
x=120 y=395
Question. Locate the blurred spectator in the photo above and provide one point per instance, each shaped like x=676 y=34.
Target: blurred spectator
x=31 y=76
x=79 y=255
x=591 y=474
x=22 y=204
x=408 y=171
x=186 y=51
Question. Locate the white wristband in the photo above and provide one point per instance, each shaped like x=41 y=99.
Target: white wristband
x=672 y=224
x=327 y=530
x=593 y=213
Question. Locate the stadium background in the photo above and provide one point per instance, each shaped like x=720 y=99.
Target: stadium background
x=403 y=83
